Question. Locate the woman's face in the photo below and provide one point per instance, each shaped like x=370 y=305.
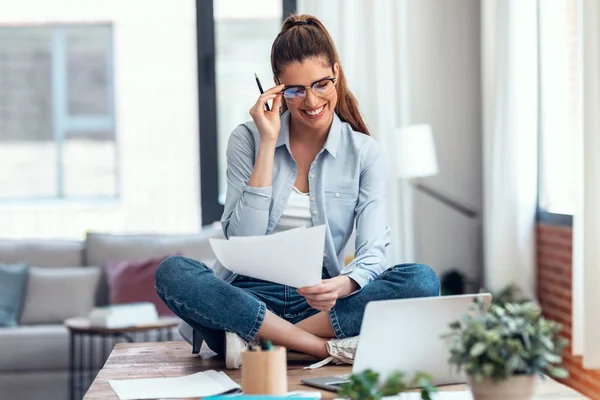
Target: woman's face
x=310 y=97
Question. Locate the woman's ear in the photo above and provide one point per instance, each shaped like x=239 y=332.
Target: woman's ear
x=275 y=80
x=336 y=70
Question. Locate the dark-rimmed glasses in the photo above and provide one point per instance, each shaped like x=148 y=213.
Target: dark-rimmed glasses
x=320 y=88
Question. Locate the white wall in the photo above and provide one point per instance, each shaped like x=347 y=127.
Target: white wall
x=156 y=120
x=444 y=75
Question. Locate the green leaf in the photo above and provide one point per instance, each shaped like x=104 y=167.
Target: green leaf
x=558 y=372
x=361 y=386
x=547 y=342
x=421 y=379
x=478 y=349
x=393 y=385
x=488 y=369
x=552 y=358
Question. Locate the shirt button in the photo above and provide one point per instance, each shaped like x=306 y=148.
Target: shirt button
x=314 y=212
x=313 y=198
x=337 y=195
x=312 y=175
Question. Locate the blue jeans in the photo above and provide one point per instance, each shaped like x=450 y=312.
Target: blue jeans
x=211 y=306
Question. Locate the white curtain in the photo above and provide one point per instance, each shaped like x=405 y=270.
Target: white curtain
x=371 y=40
x=586 y=237
x=510 y=110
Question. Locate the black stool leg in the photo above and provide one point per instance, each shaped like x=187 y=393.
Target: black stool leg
x=196 y=342
x=71 y=366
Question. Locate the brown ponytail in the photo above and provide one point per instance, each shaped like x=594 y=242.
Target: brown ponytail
x=302 y=37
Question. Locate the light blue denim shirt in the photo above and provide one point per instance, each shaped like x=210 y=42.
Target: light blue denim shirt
x=347 y=184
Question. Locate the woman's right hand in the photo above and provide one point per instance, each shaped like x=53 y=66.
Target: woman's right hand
x=268 y=122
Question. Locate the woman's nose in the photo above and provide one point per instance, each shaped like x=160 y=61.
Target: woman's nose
x=310 y=99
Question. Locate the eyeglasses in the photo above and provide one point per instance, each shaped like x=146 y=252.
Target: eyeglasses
x=319 y=88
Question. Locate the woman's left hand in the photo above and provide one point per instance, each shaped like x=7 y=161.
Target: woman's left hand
x=323 y=297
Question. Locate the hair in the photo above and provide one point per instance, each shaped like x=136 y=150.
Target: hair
x=302 y=37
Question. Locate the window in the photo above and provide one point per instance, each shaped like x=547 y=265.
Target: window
x=560 y=104
x=243 y=32
x=57 y=129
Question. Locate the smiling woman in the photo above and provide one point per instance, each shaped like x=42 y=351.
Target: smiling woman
x=307 y=161
x=305 y=45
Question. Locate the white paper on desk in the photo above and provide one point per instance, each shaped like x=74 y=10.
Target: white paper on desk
x=201 y=384
x=293 y=258
x=222 y=378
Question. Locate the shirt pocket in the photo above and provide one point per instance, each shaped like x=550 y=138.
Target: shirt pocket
x=339 y=206
x=341 y=196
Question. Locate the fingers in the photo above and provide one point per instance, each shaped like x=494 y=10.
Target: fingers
x=277 y=102
x=272 y=94
x=322 y=288
x=274 y=89
x=324 y=306
x=329 y=296
x=259 y=106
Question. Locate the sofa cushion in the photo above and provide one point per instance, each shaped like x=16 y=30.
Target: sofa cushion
x=13 y=279
x=35 y=385
x=35 y=347
x=46 y=347
x=42 y=252
x=101 y=248
x=133 y=281
x=55 y=294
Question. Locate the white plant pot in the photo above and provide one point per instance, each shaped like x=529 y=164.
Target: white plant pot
x=516 y=388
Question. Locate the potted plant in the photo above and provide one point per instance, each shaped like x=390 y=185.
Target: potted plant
x=503 y=349
x=366 y=386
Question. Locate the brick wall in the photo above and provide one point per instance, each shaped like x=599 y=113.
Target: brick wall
x=554 y=280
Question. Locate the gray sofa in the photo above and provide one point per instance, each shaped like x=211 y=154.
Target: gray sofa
x=34 y=358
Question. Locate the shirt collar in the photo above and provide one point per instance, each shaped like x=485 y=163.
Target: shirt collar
x=333 y=138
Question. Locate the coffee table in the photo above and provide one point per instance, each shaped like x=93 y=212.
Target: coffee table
x=168 y=359
x=90 y=345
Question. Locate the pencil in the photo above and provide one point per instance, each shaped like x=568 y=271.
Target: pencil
x=261 y=90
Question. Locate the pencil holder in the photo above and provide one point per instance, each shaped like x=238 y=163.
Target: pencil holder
x=265 y=371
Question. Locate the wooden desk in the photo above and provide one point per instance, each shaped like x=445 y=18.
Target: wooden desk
x=168 y=359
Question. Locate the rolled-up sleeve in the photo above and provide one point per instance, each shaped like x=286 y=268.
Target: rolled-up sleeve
x=372 y=232
x=246 y=211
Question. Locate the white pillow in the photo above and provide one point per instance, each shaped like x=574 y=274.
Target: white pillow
x=55 y=294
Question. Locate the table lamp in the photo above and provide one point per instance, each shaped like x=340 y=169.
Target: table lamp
x=415 y=151
x=416 y=158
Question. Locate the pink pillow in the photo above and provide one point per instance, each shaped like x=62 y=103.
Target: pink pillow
x=133 y=281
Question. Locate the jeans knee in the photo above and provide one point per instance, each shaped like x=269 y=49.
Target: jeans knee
x=421 y=279
x=171 y=270
x=166 y=270
x=429 y=282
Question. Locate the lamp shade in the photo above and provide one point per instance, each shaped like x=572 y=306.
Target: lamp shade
x=415 y=152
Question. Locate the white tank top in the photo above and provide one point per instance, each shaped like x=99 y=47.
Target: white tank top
x=296 y=212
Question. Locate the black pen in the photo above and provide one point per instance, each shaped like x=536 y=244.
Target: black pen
x=261 y=90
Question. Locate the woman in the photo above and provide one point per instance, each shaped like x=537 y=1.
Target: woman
x=313 y=164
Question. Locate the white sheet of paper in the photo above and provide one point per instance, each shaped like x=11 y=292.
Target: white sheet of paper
x=286 y=232
x=223 y=379
x=293 y=258
x=201 y=384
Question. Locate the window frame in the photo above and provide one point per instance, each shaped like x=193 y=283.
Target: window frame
x=63 y=121
x=543 y=215
x=211 y=208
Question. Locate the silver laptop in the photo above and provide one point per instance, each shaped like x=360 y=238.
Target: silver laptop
x=406 y=335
